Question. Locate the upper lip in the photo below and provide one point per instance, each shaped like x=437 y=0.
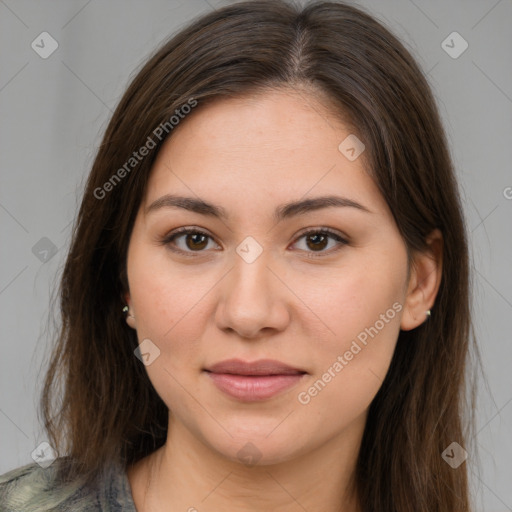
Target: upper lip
x=259 y=367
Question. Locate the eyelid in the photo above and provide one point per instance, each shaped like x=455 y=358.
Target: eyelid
x=323 y=229
x=341 y=239
x=185 y=230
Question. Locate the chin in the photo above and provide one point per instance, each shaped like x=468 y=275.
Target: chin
x=256 y=447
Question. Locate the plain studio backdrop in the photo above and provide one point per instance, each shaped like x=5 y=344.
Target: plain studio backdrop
x=63 y=67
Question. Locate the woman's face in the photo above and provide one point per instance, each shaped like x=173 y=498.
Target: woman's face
x=249 y=284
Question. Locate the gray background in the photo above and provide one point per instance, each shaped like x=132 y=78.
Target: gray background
x=54 y=112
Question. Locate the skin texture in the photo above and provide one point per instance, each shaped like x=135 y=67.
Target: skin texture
x=250 y=155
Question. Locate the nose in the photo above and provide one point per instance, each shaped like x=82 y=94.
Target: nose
x=253 y=299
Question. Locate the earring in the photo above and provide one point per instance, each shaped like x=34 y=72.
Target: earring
x=126 y=310
x=428 y=314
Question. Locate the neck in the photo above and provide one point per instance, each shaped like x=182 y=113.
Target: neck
x=187 y=475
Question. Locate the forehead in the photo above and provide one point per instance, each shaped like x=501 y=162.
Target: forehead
x=284 y=118
x=277 y=144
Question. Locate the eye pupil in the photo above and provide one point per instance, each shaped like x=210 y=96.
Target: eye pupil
x=317 y=237
x=196 y=241
x=196 y=237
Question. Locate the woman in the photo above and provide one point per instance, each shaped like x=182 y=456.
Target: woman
x=266 y=302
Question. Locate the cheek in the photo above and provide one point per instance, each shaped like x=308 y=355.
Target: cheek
x=353 y=298
x=165 y=312
x=348 y=374
x=361 y=312
x=167 y=307
x=157 y=293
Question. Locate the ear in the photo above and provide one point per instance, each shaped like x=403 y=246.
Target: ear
x=130 y=317
x=424 y=281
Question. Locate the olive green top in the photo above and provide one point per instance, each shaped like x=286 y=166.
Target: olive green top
x=31 y=488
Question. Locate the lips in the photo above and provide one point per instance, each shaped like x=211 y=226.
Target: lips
x=260 y=367
x=253 y=381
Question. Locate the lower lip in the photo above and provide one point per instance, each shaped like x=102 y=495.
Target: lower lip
x=252 y=388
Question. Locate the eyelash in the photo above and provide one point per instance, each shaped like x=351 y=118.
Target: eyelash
x=167 y=240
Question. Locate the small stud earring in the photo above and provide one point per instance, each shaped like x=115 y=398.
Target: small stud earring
x=126 y=310
x=428 y=313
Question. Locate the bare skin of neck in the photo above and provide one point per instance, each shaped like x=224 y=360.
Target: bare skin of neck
x=186 y=475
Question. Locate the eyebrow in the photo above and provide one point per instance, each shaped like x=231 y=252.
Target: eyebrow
x=282 y=212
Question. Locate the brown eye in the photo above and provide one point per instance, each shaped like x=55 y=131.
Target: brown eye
x=195 y=240
x=317 y=240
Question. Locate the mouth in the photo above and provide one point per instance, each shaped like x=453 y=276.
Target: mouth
x=254 y=381
x=259 y=367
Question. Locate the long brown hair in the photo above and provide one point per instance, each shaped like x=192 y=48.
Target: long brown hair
x=98 y=405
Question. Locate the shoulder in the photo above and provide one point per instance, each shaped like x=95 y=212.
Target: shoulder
x=31 y=488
